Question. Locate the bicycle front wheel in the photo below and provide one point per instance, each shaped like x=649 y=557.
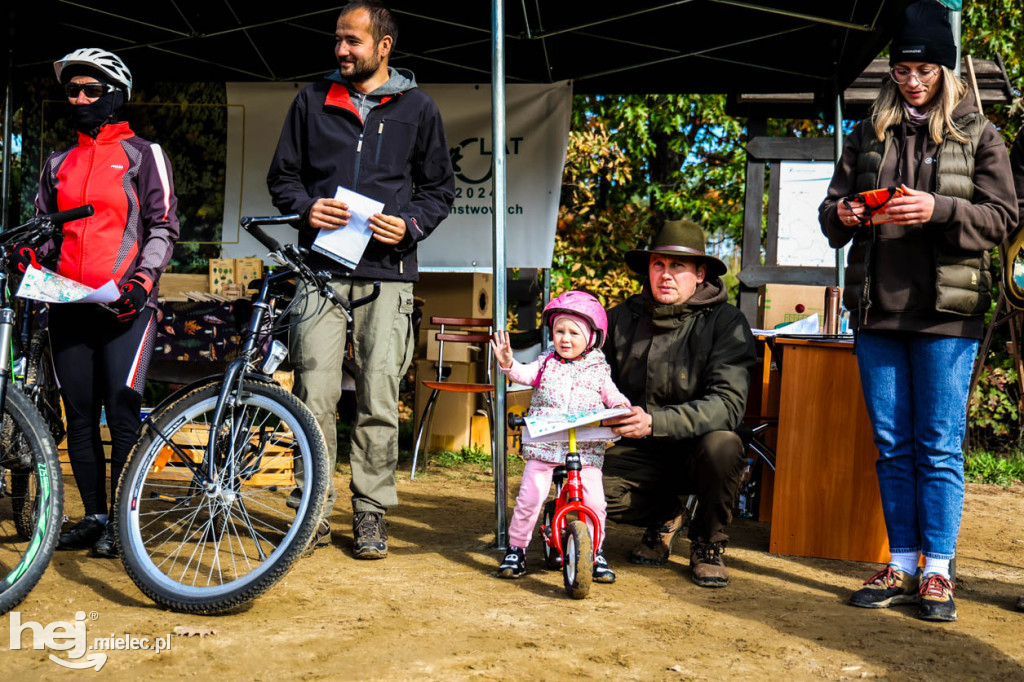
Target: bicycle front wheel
x=31 y=499
x=203 y=534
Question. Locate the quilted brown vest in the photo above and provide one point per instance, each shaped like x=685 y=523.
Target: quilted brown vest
x=963 y=279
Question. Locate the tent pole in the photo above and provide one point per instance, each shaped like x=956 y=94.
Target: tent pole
x=545 y=337
x=5 y=168
x=500 y=297
x=954 y=20
x=840 y=264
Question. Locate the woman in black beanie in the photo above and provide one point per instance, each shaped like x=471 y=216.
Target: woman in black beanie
x=918 y=288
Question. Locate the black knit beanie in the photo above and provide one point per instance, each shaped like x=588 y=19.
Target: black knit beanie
x=925 y=36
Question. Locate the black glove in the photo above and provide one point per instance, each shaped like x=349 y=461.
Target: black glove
x=133 y=299
x=24 y=256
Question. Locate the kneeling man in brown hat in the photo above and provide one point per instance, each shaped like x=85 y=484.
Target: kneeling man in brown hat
x=683 y=356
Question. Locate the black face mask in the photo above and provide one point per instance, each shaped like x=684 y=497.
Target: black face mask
x=89 y=118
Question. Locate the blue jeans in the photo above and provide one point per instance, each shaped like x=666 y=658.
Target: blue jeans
x=915 y=387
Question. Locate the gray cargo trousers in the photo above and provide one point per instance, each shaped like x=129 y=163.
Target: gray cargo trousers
x=382 y=351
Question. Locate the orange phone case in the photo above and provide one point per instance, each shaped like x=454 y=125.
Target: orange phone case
x=877 y=199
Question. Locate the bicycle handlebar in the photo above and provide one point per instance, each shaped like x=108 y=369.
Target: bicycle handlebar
x=292 y=256
x=67 y=216
x=252 y=226
x=46 y=220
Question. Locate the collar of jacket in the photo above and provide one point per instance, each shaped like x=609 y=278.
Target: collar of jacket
x=109 y=133
x=707 y=294
x=338 y=97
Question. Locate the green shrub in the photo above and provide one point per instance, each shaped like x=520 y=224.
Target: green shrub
x=996 y=468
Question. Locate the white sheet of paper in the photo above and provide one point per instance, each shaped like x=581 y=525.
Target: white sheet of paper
x=40 y=284
x=582 y=433
x=548 y=429
x=346 y=244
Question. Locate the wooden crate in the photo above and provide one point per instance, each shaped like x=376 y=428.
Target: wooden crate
x=62 y=449
x=174 y=285
x=277 y=466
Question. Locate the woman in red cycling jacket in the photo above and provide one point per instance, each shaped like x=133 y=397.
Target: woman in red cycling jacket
x=101 y=357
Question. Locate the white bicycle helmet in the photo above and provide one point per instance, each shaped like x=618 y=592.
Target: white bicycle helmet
x=107 y=63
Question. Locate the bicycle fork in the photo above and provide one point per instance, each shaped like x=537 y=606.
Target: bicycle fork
x=569 y=498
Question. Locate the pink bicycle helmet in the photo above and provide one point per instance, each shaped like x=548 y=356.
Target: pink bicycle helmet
x=583 y=304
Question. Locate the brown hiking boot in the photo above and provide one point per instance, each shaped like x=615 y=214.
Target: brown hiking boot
x=706 y=567
x=370 y=532
x=655 y=546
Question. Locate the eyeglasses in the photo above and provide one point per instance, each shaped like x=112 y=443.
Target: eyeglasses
x=91 y=90
x=903 y=76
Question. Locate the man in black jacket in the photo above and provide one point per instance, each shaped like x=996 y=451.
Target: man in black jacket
x=682 y=356
x=368 y=128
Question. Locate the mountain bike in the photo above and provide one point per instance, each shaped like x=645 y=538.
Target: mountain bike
x=31 y=485
x=203 y=519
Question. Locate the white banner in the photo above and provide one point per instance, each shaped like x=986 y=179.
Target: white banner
x=537 y=128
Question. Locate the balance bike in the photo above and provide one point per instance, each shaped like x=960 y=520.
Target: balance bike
x=567 y=542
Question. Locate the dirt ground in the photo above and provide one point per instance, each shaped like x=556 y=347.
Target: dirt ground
x=434 y=610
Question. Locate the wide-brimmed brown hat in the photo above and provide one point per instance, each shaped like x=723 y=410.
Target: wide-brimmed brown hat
x=676 y=238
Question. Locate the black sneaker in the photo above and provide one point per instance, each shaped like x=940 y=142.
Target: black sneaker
x=514 y=563
x=321 y=537
x=937 y=599
x=888 y=587
x=370 y=531
x=82 y=535
x=602 y=571
x=106 y=546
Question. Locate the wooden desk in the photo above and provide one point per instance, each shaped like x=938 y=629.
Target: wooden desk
x=826 y=502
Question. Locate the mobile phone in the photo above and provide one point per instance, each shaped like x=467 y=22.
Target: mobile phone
x=875 y=200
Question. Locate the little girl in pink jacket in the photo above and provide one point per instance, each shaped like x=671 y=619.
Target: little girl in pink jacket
x=570 y=377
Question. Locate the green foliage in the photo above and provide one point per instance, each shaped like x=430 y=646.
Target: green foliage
x=992 y=413
x=996 y=29
x=471 y=454
x=999 y=469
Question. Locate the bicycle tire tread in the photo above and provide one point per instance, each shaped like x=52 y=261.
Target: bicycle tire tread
x=245 y=594
x=45 y=453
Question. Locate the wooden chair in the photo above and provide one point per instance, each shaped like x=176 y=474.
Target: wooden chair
x=456 y=330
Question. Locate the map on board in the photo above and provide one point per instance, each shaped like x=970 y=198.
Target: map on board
x=803 y=185
x=553 y=428
x=40 y=284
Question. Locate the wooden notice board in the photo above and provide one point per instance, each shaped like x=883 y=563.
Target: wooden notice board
x=826 y=501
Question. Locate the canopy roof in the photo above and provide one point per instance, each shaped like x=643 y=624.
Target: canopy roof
x=647 y=46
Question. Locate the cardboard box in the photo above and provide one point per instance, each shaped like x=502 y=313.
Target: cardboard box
x=453 y=351
x=222 y=272
x=246 y=270
x=455 y=294
x=786 y=303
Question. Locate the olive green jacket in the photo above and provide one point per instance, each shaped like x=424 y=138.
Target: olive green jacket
x=687 y=365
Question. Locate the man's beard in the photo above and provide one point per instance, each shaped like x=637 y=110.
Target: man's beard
x=362 y=69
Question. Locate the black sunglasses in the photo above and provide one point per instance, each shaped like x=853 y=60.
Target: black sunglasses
x=91 y=90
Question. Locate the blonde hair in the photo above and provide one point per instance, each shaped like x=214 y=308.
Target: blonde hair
x=888 y=110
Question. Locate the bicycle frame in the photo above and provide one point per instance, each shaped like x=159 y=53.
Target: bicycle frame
x=243 y=367
x=569 y=499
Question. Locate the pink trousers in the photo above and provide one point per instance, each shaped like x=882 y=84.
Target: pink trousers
x=533 y=491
